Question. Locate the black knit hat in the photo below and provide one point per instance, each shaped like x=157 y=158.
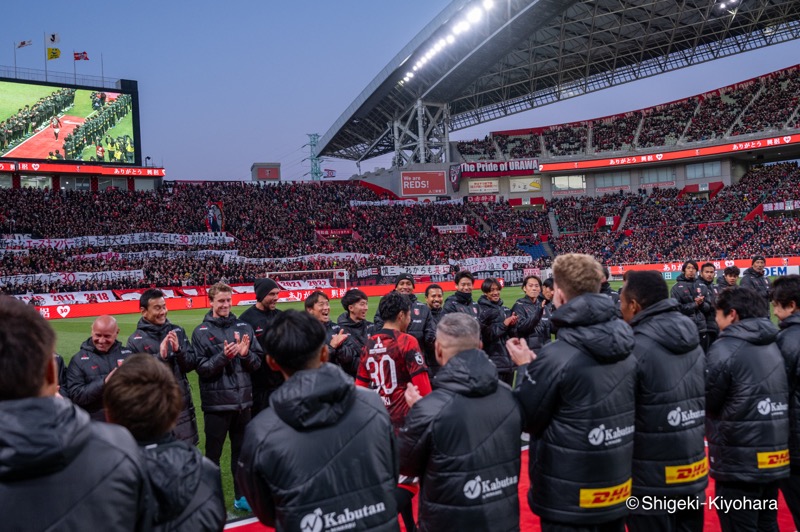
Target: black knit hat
x=405 y=277
x=264 y=287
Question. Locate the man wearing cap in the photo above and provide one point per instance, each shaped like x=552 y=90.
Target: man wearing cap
x=422 y=326
x=755 y=278
x=261 y=316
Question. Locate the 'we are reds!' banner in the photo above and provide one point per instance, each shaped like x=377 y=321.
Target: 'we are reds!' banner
x=423 y=183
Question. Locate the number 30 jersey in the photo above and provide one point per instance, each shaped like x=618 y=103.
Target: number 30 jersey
x=389 y=362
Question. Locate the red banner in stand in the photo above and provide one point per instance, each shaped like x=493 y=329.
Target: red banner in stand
x=719 y=264
x=65 y=168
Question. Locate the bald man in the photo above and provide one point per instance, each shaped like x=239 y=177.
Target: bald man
x=90 y=368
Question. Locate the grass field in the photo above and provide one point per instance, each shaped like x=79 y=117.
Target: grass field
x=72 y=332
x=18 y=95
x=123 y=127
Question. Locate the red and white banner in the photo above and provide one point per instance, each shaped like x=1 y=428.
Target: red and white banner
x=663 y=184
x=49 y=168
x=775 y=265
x=514 y=167
x=422 y=183
x=174 y=239
x=483 y=264
x=310 y=284
x=483 y=186
x=430 y=269
x=483 y=198
x=624 y=188
x=532 y=271
x=451 y=229
x=328 y=233
x=575 y=192
x=71 y=298
x=71 y=277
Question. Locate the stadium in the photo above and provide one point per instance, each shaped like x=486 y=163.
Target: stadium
x=711 y=178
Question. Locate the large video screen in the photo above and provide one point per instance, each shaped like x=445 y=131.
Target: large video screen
x=51 y=123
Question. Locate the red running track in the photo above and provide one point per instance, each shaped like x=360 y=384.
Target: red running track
x=530 y=522
x=43 y=142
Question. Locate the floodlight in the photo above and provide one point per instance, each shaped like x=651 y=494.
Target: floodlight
x=475 y=14
x=409 y=75
x=488 y=4
x=450 y=39
x=442 y=43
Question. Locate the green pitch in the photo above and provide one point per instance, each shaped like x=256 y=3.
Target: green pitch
x=15 y=96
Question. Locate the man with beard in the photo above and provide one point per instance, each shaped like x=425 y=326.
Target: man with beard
x=422 y=326
x=461 y=301
x=707 y=274
x=354 y=323
x=89 y=369
x=578 y=402
x=670 y=387
x=755 y=278
x=319 y=306
x=691 y=294
x=225 y=359
x=434 y=299
x=157 y=336
x=260 y=316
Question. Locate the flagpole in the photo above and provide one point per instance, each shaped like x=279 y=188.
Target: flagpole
x=74 y=68
x=14 y=45
x=44 y=40
x=102 y=72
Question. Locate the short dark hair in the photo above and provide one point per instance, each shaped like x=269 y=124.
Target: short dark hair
x=731 y=270
x=27 y=344
x=488 y=283
x=745 y=301
x=149 y=294
x=392 y=304
x=688 y=262
x=606 y=273
x=645 y=287
x=433 y=287
x=314 y=298
x=143 y=396
x=786 y=289
x=351 y=297
x=294 y=339
x=707 y=265
x=548 y=283
x=462 y=274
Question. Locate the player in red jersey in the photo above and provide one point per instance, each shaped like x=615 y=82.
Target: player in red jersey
x=391 y=361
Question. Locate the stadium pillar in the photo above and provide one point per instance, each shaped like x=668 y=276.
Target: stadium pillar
x=422 y=147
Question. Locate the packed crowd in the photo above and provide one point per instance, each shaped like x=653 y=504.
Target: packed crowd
x=477 y=150
x=663 y=125
x=578 y=215
x=566 y=140
x=718 y=111
x=777 y=102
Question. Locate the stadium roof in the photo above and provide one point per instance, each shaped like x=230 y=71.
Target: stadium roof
x=516 y=55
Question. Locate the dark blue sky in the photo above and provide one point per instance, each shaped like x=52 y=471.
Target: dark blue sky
x=223 y=85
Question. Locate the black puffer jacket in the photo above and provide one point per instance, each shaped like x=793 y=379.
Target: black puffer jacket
x=758 y=282
x=87 y=372
x=147 y=338
x=225 y=383
x=60 y=471
x=324 y=453
x=461 y=302
x=578 y=400
x=789 y=344
x=469 y=466
x=348 y=355
x=494 y=333
x=684 y=291
x=185 y=487
x=529 y=317
x=711 y=292
x=605 y=289
x=265 y=379
x=747 y=404
x=669 y=452
x=422 y=326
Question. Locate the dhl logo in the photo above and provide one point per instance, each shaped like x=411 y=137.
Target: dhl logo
x=686 y=473
x=773 y=459
x=602 y=497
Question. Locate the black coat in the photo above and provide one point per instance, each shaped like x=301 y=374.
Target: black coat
x=147 y=338
x=265 y=379
x=461 y=302
x=494 y=333
x=684 y=291
x=87 y=372
x=324 y=451
x=669 y=452
x=529 y=316
x=578 y=402
x=468 y=465
x=60 y=471
x=225 y=383
x=789 y=344
x=758 y=282
x=348 y=355
x=711 y=292
x=186 y=488
x=747 y=404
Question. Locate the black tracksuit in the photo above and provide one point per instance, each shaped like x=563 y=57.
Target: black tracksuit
x=147 y=338
x=529 y=316
x=348 y=355
x=758 y=282
x=578 y=402
x=468 y=465
x=61 y=471
x=461 y=302
x=323 y=455
x=789 y=344
x=494 y=334
x=87 y=372
x=265 y=379
x=669 y=455
x=684 y=291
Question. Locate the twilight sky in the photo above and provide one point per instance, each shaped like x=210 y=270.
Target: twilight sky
x=226 y=84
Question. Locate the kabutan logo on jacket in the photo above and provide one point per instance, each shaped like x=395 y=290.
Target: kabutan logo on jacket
x=488 y=488
x=686 y=417
x=336 y=521
x=601 y=435
x=767 y=407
